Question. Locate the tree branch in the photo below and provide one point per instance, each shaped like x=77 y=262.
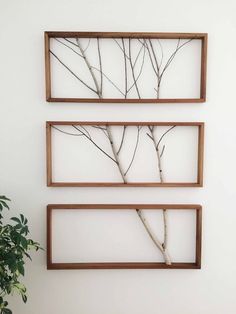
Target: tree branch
x=76 y=76
x=135 y=150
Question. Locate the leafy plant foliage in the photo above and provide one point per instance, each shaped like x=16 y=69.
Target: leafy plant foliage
x=14 y=249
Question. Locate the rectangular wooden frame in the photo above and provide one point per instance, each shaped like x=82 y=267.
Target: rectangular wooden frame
x=129 y=265
x=200 y=36
x=49 y=152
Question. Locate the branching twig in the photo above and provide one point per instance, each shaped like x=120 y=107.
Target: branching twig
x=125 y=63
x=76 y=76
x=100 y=67
x=92 y=141
x=157 y=243
x=159 y=155
x=89 y=67
x=140 y=71
x=68 y=47
x=122 y=139
x=135 y=150
x=161 y=138
x=132 y=70
x=109 y=80
x=110 y=137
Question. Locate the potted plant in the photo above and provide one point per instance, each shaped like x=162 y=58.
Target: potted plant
x=15 y=246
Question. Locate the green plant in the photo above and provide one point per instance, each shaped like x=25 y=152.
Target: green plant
x=14 y=249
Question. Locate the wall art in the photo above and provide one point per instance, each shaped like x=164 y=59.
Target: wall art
x=163 y=154
x=125 y=67
x=91 y=236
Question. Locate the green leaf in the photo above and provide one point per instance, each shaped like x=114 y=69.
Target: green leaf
x=24 y=242
x=4 y=198
x=16 y=219
x=21 y=269
x=6 y=311
x=4 y=204
x=22 y=218
x=24 y=298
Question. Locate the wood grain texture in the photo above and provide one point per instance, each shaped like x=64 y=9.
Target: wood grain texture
x=198 y=183
x=147 y=35
x=126 y=265
x=151 y=35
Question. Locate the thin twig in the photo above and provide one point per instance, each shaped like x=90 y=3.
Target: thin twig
x=161 y=138
x=157 y=68
x=109 y=80
x=100 y=128
x=76 y=76
x=68 y=47
x=140 y=71
x=89 y=67
x=110 y=137
x=116 y=41
x=122 y=139
x=68 y=133
x=132 y=70
x=135 y=150
x=125 y=63
x=95 y=144
x=178 y=47
x=100 y=66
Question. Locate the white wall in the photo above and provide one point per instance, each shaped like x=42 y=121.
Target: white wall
x=23 y=112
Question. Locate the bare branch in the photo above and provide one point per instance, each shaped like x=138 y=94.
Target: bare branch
x=89 y=67
x=116 y=41
x=122 y=139
x=109 y=80
x=132 y=70
x=140 y=72
x=100 y=128
x=68 y=133
x=161 y=138
x=110 y=137
x=156 y=145
x=69 y=47
x=76 y=76
x=162 y=152
x=125 y=63
x=135 y=150
x=157 y=243
x=91 y=140
x=100 y=67
x=178 y=47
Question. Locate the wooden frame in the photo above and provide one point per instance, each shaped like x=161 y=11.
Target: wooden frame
x=130 y=265
x=198 y=183
x=131 y=35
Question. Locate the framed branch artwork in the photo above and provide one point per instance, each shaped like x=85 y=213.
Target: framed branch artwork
x=111 y=67
x=91 y=236
x=161 y=154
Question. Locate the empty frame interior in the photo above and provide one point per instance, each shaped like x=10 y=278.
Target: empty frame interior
x=114 y=236
x=124 y=154
x=125 y=67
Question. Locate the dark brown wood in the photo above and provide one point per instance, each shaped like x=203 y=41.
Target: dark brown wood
x=151 y=35
x=49 y=154
x=47 y=66
x=148 y=35
x=200 y=154
x=198 y=183
x=129 y=265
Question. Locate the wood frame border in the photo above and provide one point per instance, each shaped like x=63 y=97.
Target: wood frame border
x=202 y=36
x=49 y=153
x=126 y=265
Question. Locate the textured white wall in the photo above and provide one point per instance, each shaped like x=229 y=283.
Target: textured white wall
x=23 y=111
